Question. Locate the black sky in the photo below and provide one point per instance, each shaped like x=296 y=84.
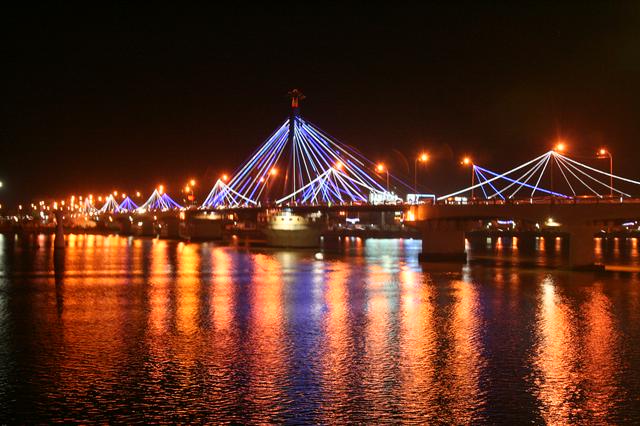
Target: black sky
x=94 y=100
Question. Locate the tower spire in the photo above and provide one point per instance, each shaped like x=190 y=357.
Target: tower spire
x=296 y=96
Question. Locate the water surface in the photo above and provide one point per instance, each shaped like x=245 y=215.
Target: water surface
x=141 y=330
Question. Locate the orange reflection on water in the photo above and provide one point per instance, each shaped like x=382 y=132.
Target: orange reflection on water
x=379 y=355
x=601 y=354
x=158 y=288
x=556 y=355
x=223 y=298
x=338 y=351
x=418 y=343
x=187 y=288
x=540 y=244
x=93 y=320
x=598 y=249
x=267 y=369
x=465 y=360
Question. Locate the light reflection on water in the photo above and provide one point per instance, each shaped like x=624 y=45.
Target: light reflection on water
x=127 y=329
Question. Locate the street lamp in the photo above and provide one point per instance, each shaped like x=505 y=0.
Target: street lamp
x=602 y=154
x=466 y=161
x=560 y=147
x=381 y=168
x=189 y=190
x=423 y=158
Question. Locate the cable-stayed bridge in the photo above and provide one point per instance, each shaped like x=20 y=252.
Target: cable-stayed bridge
x=304 y=170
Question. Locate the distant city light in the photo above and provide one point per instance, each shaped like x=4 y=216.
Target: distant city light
x=424 y=157
x=192 y=182
x=380 y=168
x=466 y=161
x=225 y=178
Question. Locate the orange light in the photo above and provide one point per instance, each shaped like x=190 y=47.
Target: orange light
x=560 y=147
x=380 y=168
x=192 y=182
x=261 y=179
x=161 y=189
x=124 y=195
x=274 y=171
x=339 y=165
x=225 y=178
x=466 y=161
x=115 y=193
x=137 y=193
x=424 y=157
x=187 y=189
x=602 y=151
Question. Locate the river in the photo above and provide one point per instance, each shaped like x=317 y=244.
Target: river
x=130 y=330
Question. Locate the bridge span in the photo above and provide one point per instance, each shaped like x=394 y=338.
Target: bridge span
x=443 y=226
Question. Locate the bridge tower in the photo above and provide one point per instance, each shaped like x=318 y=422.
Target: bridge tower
x=296 y=96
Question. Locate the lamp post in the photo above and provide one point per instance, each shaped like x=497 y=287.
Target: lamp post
x=559 y=148
x=423 y=158
x=466 y=161
x=604 y=153
x=381 y=168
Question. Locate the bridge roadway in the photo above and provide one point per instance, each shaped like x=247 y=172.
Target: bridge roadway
x=443 y=225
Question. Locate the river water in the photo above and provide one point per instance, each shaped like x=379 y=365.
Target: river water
x=140 y=330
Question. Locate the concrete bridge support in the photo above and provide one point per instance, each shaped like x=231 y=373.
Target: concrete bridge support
x=443 y=241
x=581 y=247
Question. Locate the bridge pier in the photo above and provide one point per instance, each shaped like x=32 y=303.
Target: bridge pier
x=443 y=241
x=581 y=247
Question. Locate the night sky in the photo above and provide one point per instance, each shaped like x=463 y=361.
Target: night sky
x=96 y=100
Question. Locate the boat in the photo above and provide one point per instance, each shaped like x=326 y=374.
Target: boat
x=284 y=228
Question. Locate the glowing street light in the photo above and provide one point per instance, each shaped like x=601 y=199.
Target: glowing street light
x=339 y=165
x=467 y=161
x=225 y=178
x=138 y=194
x=560 y=147
x=273 y=171
x=381 y=168
x=604 y=153
x=422 y=158
x=192 y=182
x=161 y=189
